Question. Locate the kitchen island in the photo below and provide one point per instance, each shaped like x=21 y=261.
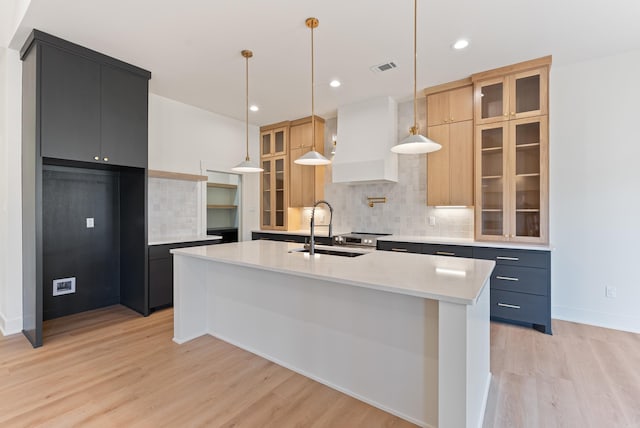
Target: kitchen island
x=406 y=333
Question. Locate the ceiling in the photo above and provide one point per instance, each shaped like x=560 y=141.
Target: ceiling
x=192 y=47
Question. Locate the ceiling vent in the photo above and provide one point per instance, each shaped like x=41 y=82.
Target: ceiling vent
x=384 y=67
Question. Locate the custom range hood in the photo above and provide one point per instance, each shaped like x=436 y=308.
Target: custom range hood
x=366 y=132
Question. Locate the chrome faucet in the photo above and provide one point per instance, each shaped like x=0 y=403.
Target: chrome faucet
x=312 y=243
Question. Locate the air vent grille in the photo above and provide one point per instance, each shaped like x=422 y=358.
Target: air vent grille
x=384 y=67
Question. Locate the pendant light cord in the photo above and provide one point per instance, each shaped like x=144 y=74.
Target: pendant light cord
x=313 y=113
x=247 y=106
x=414 y=130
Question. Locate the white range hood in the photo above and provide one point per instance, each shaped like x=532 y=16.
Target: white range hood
x=366 y=132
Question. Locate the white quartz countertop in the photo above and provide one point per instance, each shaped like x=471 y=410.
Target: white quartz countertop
x=189 y=238
x=451 y=279
x=462 y=241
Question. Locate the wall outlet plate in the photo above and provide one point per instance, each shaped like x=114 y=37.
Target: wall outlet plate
x=64 y=286
x=90 y=223
x=610 y=292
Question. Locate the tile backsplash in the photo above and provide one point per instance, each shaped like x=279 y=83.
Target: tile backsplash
x=173 y=208
x=406 y=211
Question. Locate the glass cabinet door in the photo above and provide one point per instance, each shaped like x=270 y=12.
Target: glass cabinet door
x=529 y=153
x=265 y=144
x=266 y=193
x=280 y=192
x=491 y=162
x=528 y=94
x=491 y=100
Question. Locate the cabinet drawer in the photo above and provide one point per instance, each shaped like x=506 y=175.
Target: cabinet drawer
x=508 y=256
x=448 y=250
x=403 y=247
x=521 y=279
x=522 y=307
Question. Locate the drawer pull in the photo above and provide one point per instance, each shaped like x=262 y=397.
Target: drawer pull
x=515 y=259
x=402 y=250
x=289 y=240
x=445 y=253
x=506 y=305
x=507 y=278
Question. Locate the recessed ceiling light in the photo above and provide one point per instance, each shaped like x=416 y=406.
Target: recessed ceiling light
x=461 y=44
x=254 y=108
x=334 y=83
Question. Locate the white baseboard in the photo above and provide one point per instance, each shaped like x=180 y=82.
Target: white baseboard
x=11 y=326
x=600 y=319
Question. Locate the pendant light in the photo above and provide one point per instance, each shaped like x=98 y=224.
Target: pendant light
x=247 y=165
x=415 y=143
x=312 y=157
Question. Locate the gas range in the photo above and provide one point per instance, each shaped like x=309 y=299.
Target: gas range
x=358 y=239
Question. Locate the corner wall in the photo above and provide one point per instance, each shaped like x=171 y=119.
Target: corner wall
x=10 y=192
x=594 y=190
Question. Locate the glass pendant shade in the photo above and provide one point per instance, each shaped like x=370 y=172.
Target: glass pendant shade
x=247 y=166
x=312 y=158
x=416 y=144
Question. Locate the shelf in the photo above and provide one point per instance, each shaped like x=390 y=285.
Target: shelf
x=528 y=210
x=534 y=174
x=221 y=207
x=153 y=173
x=222 y=185
x=492 y=177
x=492 y=210
x=527 y=146
x=492 y=149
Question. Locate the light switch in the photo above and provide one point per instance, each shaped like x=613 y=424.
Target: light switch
x=432 y=220
x=90 y=223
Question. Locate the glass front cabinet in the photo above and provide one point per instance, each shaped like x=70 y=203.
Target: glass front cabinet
x=514 y=96
x=273 y=159
x=512 y=183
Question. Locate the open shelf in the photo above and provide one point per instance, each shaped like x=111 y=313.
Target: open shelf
x=222 y=185
x=492 y=149
x=221 y=207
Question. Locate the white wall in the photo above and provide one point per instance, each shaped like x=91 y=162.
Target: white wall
x=595 y=190
x=183 y=138
x=10 y=192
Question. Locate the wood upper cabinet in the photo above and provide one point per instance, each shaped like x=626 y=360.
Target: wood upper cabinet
x=512 y=153
x=306 y=183
x=512 y=181
x=92 y=112
x=512 y=96
x=455 y=105
x=450 y=169
x=273 y=193
x=274 y=139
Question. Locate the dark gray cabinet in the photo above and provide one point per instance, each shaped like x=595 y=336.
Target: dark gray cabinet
x=83 y=112
x=161 y=271
x=124 y=110
x=520 y=282
x=70 y=105
x=520 y=285
x=92 y=111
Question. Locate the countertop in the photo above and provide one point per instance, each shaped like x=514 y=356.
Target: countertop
x=451 y=279
x=463 y=241
x=189 y=238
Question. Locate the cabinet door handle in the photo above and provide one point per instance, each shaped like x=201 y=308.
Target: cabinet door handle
x=507 y=278
x=289 y=240
x=506 y=305
x=445 y=253
x=515 y=259
x=402 y=250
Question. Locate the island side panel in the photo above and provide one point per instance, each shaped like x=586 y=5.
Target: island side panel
x=379 y=347
x=464 y=363
x=189 y=302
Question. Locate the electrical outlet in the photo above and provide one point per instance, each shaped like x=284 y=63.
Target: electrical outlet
x=432 y=220
x=610 y=292
x=90 y=223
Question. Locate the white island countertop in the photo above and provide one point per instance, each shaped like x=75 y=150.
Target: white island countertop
x=449 y=279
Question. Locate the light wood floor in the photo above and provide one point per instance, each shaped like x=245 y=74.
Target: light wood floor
x=111 y=367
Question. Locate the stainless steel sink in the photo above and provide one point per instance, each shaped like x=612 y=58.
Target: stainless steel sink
x=330 y=252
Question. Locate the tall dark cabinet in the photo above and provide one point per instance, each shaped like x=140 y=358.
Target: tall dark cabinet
x=84 y=182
